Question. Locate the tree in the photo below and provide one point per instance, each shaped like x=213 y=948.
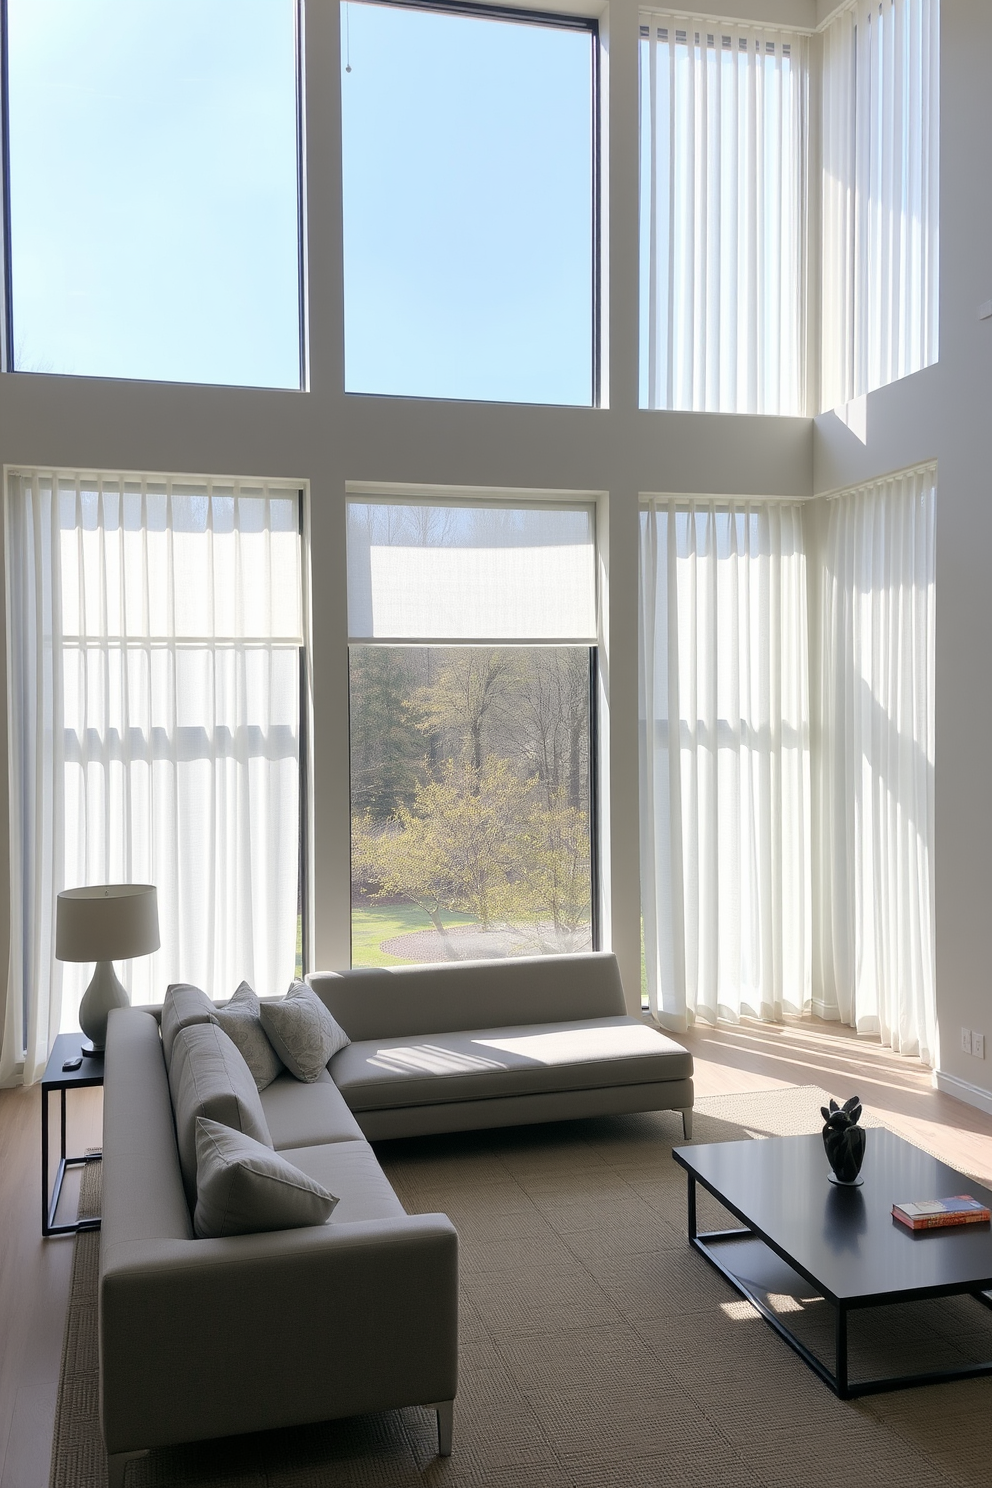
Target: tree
x=559 y=875
x=459 y=701
x=386 y=746
x=462 y=845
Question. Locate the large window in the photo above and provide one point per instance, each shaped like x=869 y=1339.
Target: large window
x=156 y=634
x=154 y=189
x=723 y=142
x=469 y=204
x=880 y=195
x=472 y=727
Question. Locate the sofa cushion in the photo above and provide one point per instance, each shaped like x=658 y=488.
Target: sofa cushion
x=208 y=1077
x=243 y=1187
x=299 y=1115
x=183 y=1006
x=350 y=1170
x=490 y=1062
x=241 y=1022
x=303 y=1032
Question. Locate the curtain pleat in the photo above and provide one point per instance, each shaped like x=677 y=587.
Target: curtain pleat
x=724 y=760
x=155 y=635
x=880 y=151
x=874 y=764
x=723 y=139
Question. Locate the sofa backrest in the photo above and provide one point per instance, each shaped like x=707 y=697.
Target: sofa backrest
x=393 y=1001
x=143 y=1196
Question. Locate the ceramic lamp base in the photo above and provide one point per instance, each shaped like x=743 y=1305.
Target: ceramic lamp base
x=844 y=1183
x=103 y=994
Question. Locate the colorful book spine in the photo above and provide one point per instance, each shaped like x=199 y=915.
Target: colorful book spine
x=935 y=1214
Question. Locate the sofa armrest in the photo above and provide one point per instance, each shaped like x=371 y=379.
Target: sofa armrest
x=204 y=1338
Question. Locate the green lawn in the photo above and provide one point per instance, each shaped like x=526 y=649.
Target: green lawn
x=371 y=926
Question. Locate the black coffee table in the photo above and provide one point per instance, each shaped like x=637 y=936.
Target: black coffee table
x=842 y=1241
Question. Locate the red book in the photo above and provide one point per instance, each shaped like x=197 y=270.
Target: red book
x=934 y=1214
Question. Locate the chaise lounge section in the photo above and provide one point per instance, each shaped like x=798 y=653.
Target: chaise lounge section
x=497 y=1043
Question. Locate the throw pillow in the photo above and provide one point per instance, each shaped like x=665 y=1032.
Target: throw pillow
x=241 y=1022
x=209 y=1077
x=182 y=1007
x=303 y=1033
x=243 y=1187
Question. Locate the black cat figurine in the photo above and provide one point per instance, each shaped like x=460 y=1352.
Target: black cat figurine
x=844 y=1140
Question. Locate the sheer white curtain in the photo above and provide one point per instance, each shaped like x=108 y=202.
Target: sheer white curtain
x=880 y=144
x=723 y=141
x=155 y=641
x=724 y=760
x=874 y=764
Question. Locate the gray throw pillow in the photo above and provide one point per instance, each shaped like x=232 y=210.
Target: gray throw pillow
x=183 y=1006
x=240 y=1021
x=208 y=1077
x=302 y=1031
x=243 y=1188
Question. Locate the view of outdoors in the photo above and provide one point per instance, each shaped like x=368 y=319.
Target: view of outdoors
x=471 y=802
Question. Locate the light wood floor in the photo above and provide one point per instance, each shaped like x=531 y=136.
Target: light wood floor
x=34 y=1273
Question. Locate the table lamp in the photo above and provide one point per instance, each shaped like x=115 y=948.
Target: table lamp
x=105 y=923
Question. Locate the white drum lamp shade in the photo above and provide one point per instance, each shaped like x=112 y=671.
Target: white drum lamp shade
x=105 y=923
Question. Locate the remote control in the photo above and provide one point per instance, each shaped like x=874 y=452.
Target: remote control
x=72 y=1064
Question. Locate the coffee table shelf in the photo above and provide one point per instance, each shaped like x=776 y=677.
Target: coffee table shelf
x=843 y=1243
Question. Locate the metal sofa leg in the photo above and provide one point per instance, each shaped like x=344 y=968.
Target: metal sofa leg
x=687 y=1123
x=117 y=1464
x=445 y=1425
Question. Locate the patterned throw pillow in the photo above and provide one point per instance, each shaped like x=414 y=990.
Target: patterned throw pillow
x=302 y=1032
x=243 y=1188
x=241 y=1022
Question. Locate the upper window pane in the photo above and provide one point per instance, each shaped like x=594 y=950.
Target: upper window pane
x=468 y=206
x=154 y=189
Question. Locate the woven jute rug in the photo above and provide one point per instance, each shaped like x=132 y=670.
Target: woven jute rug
x=598 y=1350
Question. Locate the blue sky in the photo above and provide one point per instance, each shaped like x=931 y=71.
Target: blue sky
x=153 y=189
x=468 y=204
x=154 y=206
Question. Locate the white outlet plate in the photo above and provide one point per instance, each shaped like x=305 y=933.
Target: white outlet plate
x=966 y=1041
x=978 y=1045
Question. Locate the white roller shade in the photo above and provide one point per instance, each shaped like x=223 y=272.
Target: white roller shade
x=475 y=573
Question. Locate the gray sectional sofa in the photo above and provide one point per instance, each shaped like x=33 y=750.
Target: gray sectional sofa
x=212 y=1337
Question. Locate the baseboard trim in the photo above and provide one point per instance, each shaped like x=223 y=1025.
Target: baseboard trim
x=962 y=1090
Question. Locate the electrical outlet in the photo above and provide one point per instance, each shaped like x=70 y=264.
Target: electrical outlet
x=978 y=1045
x=966 y=1041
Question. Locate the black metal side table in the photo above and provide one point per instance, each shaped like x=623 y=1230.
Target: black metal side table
x=90 y=1072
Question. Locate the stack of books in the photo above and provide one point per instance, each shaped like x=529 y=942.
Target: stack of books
x=934 y=1214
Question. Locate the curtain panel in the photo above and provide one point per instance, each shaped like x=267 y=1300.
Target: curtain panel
x=873 y=775
x=722 y=188
x=880 y=181
x=724 y=760
x=155 y=631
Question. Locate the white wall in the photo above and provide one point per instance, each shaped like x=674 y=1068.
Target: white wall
x=945 y=413
x=328 y=438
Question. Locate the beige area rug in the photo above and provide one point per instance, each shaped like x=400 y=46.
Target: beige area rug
x=598 y=1350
